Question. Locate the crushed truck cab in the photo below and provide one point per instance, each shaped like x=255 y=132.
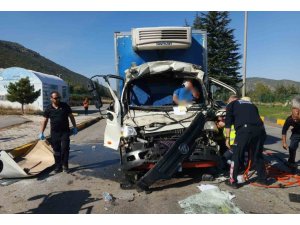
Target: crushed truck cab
x=151 y=132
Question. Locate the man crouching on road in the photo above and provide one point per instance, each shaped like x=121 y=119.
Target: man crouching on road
x=58 y=113
x=250 y=135
x=292 y=121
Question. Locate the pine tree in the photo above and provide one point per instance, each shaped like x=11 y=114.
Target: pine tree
x=222 y=48
x=22 y=92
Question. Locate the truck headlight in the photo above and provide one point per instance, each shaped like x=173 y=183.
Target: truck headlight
x=128 y=131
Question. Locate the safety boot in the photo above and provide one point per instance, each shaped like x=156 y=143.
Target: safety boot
x=66 y=168
x=58 y=169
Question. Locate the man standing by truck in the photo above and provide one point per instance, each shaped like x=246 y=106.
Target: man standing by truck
x=250 y=135
x=58 y=113
x=292 y=121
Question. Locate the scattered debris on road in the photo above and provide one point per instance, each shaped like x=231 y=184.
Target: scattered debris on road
x=206 y=187
x=108 y=200
x=210 y=200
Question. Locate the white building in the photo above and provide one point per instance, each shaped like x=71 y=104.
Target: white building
x=44 y=82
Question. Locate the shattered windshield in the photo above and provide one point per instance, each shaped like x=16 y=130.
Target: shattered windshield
x=164 y=91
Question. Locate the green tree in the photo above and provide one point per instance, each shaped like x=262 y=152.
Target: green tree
x=22 y=92
x=222 y=48
x=291 y=91
x=281 y=93
x=71 y=89
x=262 y=93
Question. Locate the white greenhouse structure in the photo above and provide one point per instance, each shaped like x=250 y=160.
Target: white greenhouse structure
x=44 y=82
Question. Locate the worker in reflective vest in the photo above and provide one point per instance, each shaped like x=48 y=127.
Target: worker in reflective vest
x=224 y=151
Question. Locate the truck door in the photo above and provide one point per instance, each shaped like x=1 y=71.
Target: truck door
x=220 y=91
x=113 y=115
x=112 y=133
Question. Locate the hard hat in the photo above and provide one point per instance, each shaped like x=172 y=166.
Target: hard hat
x=221 y=112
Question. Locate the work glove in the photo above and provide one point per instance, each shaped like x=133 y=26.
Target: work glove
x=74 y=131
x=41 y=136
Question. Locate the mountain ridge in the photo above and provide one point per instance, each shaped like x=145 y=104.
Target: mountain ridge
x=271 y=83
x=13 y=54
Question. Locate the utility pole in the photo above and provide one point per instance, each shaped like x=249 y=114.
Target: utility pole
x=245 y=54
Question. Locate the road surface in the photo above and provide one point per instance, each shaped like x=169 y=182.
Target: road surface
x=95 y=169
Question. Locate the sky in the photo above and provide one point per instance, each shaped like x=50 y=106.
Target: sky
x=83 y=41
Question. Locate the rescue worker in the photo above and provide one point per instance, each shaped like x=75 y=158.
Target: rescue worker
x=250 y=135
x=292 y=121
x=186 y=94
x=58 y=113
x=221 y=140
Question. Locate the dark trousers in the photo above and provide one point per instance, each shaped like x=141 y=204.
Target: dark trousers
x=60 y=142
x=250 y=138
x=226 y=159
x=295 y=139
x=86 y=110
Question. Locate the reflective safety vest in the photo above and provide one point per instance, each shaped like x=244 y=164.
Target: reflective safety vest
x=232 y=135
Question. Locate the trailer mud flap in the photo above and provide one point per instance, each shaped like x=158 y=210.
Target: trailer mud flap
x=179 y=151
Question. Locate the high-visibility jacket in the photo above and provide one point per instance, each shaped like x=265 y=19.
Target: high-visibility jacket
x=232 y=135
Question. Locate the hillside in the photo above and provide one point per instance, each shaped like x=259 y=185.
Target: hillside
x=270 y=82
x=13 y=54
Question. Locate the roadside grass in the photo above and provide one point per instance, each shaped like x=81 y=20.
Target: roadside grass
x=13 y=111
x=274 y=111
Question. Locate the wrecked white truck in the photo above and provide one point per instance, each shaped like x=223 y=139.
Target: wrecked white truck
x=156 y=137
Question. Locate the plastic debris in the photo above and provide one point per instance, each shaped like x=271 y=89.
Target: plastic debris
x=93 y=147
x=107 y=197
x=231 y=196
x=240 y=179
x=108 y=200
x=206 y=187
x=210 y=201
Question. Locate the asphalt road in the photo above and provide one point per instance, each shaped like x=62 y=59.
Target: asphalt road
x=11 y=120
x=95 y=169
